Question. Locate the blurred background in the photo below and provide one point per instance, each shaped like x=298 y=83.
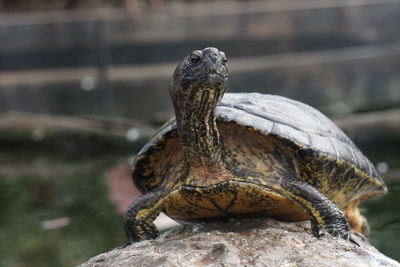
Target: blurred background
x=84 y=84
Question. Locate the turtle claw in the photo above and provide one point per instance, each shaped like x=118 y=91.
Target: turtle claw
x=336 y=230
x=126 y=245
x=352 y=240
x=346 y=235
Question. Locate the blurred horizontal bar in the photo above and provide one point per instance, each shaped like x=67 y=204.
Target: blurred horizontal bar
x=17 y=129
x=161 y=34
x=165 y=70
x=337 y=82
x=175 y=9
x=21 y=130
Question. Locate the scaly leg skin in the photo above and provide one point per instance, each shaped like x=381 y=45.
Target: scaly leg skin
x=138 y=220
x=326 y=217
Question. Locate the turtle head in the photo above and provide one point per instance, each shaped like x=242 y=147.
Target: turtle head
x=201 y=72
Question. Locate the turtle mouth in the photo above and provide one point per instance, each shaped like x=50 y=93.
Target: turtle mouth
x=211 y=77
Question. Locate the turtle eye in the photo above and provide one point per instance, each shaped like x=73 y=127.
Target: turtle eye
x=194 y=59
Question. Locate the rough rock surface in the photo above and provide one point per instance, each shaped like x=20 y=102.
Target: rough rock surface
x=245 y=242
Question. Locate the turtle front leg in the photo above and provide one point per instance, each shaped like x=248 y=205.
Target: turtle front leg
x=326 y=217
x=139 y=217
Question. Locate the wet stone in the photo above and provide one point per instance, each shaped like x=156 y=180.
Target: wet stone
x=245 y=242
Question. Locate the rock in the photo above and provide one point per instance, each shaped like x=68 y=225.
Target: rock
x=244 y=242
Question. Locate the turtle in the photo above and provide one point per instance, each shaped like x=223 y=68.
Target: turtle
x=247 y=155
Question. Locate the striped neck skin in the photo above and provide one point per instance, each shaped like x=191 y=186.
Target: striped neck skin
x=197 y=128
x=197 y=86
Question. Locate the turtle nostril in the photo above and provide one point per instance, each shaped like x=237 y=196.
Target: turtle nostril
x=214 y=55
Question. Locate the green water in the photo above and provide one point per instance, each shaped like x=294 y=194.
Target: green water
x=39 y=187
x=39 y=193
x=383 y=215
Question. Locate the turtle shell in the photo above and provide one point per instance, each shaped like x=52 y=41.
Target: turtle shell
x=302 y=127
